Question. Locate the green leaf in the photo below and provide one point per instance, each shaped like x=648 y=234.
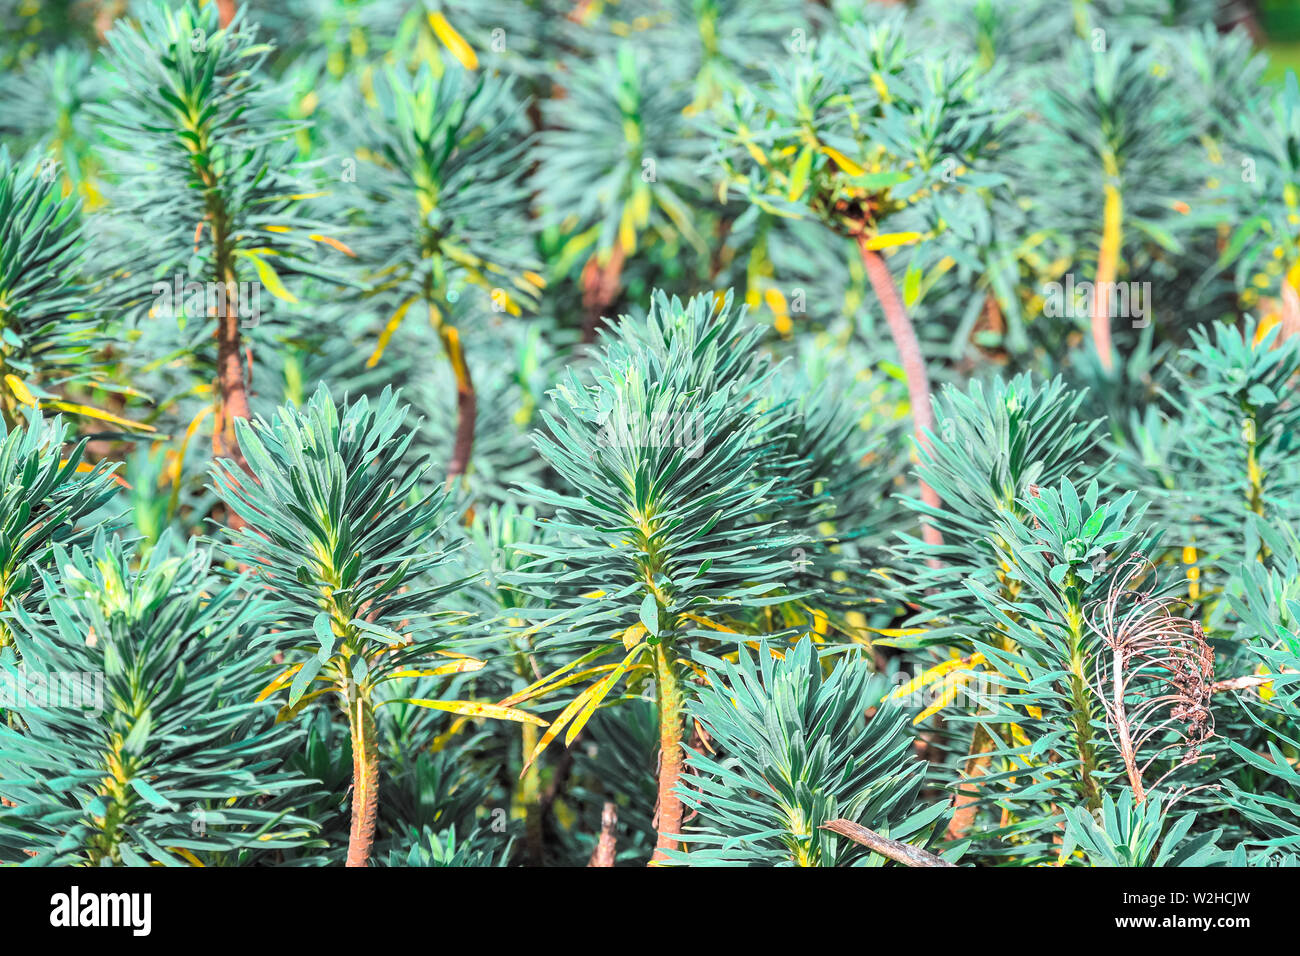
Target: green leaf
x=650 y=614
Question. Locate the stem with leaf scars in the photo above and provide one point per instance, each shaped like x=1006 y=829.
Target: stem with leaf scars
x=231 y=400
x=466 y=403
x=365 y=777
x=671 y=757
x=909 y=355
x=1080 y=704
x=966 y=803
x=603 y=855
x=601 y=279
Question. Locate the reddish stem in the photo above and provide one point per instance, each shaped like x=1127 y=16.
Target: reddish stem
x=232 y=389
x=466 y=404
x=671 y=758
x=600 y=285
x=603 y=855
x=365 y=781
x=909 y=355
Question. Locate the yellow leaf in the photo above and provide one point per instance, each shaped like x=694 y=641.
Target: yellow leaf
x=85 y=468
x=578 y=707
x=268 y=276
x=174 y=471
x=466 y=666
x=776 y=302
x=279 y=682
x=290 y=711
x=559 y=724
x=453 y=41
x=946 y=698
x=912 y=286
x=20 y=390
x=888 y=240
x=602 y=691
x=843 y=162
x=799 y=175
x=341 y=247
x=707 y=623
x=1266 y=325
x=641 y=206
x=634 y=635
x=627 y=230
x=388 y=331
x=882 y=88
x=544 y=684
x=470 y=708
x=574 y=678
x=895 y=631
x=932 y=674
x=99 y=414
x=1266 y=688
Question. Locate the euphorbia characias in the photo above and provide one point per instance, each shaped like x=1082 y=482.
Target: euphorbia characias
x=863 y=137
x=675 y=537
x=345 y=539
x=1013 y=585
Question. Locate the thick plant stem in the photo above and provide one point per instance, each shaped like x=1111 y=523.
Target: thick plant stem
x=671 y=758
x=530 y=796
x=365 y=777
x=966 y=803
x=232 y=390
x=909 y=355
x=466 y=403
x=1107 y=267
x=231 y=399
x=605 y=850
x=1081 y=710
x=600 y=285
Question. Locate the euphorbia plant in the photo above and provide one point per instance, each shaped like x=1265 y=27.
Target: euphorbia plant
x=864 y=134
x=48 y=493
x=346 y=540
x=49 y=314
x=442 y=201
x=1115 y=159
x=163 y=755
x=667 y=535
x=210 y=187
x=799 y=754
x=614 y=171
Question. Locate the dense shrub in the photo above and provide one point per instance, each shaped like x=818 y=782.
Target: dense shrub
x=728 y=432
